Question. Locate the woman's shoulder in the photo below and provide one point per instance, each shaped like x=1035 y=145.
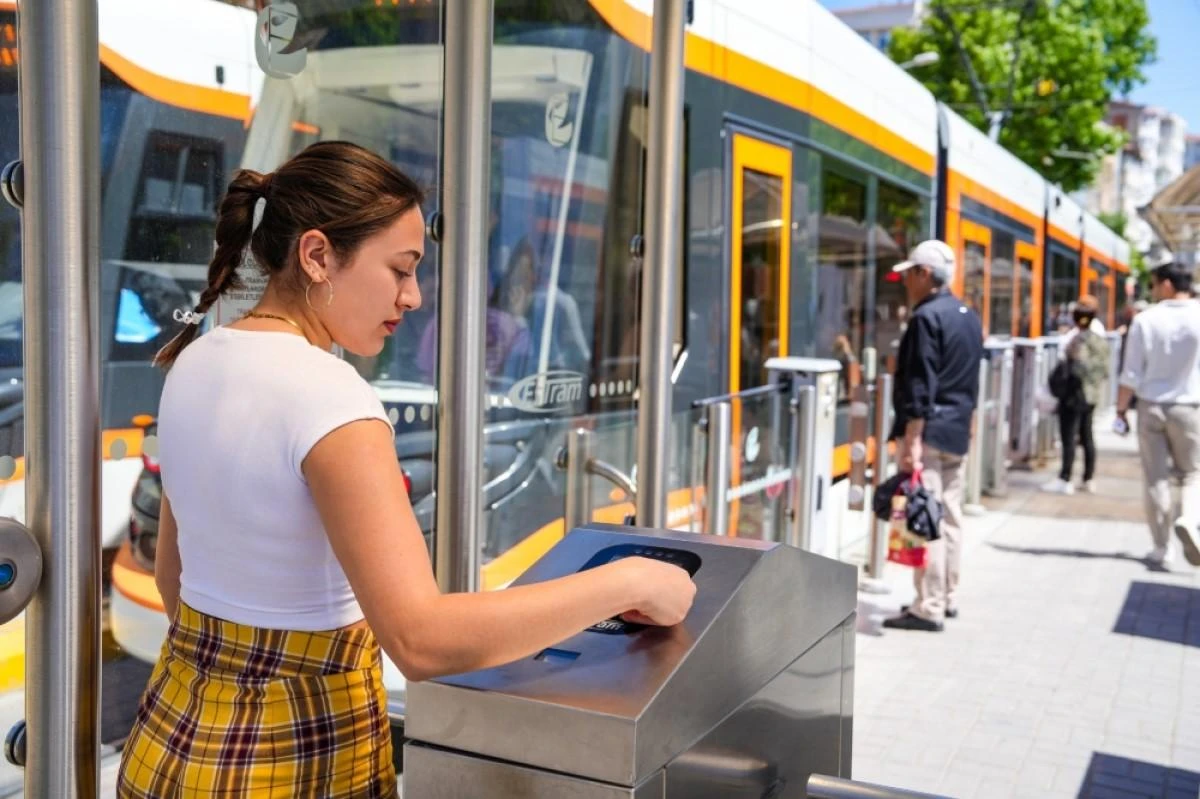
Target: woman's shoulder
x=270 y=362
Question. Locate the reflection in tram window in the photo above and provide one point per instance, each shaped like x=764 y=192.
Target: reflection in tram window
x=173 y=216
x=842 y=273
x=1101 y=291
x=903 y=222
x=1003 y=284
x=146 y=304
x=761 y=237
x=1025 y=278
x=974 y=276
x=1064 y=290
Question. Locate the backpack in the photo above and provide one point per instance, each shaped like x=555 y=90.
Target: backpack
x=1066 y=385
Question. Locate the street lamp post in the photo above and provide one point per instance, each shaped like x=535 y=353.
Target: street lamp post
x=921 y=60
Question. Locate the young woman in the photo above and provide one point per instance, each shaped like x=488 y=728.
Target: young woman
x=288 y=553
x=1088 y=366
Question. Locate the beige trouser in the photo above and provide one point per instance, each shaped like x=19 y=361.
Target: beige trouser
x=1169 y=435
x=937 y=583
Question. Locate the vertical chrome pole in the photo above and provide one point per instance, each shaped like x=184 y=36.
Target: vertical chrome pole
x=804 y=503
x=462 y=300
x=883 y=423
x=579 y=485
x=664 y=162
x=60 y=131
x=998 y=485
x=716 y=476
x=979 y=437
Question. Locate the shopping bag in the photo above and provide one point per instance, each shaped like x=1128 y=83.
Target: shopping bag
x=904 y=547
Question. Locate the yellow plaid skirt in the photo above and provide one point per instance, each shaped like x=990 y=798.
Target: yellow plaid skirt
x=233 y=711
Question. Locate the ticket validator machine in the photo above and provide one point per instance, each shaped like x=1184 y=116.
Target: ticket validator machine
x=751 y=694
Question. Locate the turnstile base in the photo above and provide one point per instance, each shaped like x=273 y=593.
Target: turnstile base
x=435 y=773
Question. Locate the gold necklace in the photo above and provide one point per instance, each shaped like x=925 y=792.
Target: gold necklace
x=264 y=315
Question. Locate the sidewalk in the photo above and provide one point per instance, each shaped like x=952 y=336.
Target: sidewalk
x=1073 y=670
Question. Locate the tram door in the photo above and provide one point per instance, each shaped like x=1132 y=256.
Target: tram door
x=976 y=258
x=760 y=259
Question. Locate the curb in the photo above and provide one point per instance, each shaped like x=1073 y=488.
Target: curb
x=12 y=655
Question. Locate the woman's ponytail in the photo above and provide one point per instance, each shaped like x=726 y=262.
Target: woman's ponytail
x=235 y=228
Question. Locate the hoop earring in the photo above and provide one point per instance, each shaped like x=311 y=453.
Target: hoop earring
x=308 y=300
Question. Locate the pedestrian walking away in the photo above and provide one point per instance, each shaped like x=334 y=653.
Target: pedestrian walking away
x=1162 y=369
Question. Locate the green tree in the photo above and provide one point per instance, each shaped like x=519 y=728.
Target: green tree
x=1049 y=67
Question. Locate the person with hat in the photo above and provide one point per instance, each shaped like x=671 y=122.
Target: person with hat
x=937 y=382
x=1086 y=365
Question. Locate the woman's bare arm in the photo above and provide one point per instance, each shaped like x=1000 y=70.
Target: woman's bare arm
x=359 y=491
x=166 y=559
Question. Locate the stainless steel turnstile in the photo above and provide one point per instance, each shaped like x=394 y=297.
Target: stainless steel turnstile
x=1031 y=371
x=747 y=698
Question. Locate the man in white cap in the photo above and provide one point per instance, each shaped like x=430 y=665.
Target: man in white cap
x=937 y=381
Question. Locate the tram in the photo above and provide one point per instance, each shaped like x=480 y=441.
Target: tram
x=812 y=165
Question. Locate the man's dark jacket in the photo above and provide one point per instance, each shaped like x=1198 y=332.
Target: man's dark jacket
x=937 y=374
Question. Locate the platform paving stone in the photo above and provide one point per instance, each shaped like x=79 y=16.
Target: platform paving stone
x=1072 y=671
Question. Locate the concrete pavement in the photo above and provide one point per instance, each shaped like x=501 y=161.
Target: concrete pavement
x=1072 y=670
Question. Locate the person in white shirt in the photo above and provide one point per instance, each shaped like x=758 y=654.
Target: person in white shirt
x=288 y=552
x=1162 y=369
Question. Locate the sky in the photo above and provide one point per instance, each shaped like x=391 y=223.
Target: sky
x=1173 y=82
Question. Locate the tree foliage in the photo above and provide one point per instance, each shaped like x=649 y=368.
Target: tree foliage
x=1052 y=65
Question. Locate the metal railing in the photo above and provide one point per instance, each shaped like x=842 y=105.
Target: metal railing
x=580 y=463
x=822 y=786
x=877 y=553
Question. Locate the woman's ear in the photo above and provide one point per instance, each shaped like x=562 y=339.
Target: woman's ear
x=315 y=253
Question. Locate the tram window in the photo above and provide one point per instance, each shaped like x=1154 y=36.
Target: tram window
x=761 y=245
x=974 y=275
x=174 y=215
x=1003 y=284
x=1025 y=292
x=842 y=272
x=902 y=223
x=1064 y=290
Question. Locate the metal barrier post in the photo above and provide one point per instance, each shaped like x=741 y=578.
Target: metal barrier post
x=462 y=306
x=814 y=383
x=579 y=486
x=1048 y=428
x=860 y=410
x=1114 y=368
x=877 y=555
x=995 y=427
x=716 y=475
x=60 y=223
x=1025 y=414
x=974 y=487
x=664 y=236
x=1003 y=368
x=804 y=499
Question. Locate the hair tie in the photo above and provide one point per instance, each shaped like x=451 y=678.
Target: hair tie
x=188 y=317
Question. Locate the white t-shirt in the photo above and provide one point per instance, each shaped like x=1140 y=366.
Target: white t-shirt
x=239 y=413
x=1162 y=353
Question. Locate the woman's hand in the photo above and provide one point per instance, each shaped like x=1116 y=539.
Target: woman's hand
x=666 y=592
